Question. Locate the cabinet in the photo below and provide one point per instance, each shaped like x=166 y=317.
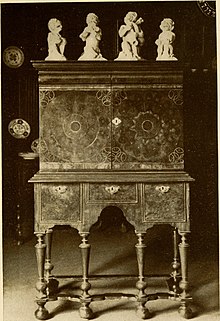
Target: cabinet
x=122 y=120
x=111 y=134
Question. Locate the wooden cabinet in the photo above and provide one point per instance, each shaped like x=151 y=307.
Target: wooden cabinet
x=111 y=134
x=130 y=119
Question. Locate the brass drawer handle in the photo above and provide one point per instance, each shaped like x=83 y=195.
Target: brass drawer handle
x=112 y=189
x=163 y=189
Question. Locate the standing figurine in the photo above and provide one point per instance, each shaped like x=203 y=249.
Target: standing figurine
x=165 y=40
x=132 y=37
x=92 y=35
x=56 y=43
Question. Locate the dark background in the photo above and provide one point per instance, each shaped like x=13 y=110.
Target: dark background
x=25 y=26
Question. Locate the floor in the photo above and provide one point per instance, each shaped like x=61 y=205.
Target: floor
x=112 y=252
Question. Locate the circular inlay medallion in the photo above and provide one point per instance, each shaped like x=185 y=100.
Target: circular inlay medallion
x=147 y=125
x=75 y=126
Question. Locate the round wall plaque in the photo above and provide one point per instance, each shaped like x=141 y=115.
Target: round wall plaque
x=35 y=146
x=207 y=7
x=13 y=57
x=19 y=128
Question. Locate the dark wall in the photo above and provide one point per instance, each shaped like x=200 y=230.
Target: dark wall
x=25 y=26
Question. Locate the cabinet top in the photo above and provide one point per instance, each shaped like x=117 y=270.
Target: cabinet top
x=102 y=73
x=108 y=66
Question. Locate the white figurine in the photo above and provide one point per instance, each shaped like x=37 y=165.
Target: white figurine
x=165 y=41
x=132 y=37
x=56 y=43
x=92 y=35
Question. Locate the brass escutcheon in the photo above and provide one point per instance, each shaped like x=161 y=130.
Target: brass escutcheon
x=112 y=189
x=163 y=189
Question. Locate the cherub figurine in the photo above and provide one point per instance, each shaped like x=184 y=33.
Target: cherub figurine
x=92 y=35
x=56 y=43
x=132 y=37
x=165 y=40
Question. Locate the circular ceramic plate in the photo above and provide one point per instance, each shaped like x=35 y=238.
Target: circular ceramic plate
x=13 y=57
x=19 y=128
x=207 y=7
x=35 y=146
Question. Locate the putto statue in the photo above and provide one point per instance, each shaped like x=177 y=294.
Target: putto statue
x=132 y=37
x=165 y=41
x=56 y=43
x=92 y=35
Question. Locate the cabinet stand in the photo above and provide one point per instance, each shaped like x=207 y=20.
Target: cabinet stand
x=111 y=134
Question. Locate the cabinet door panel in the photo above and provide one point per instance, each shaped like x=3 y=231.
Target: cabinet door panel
x=147 y=129
x=75 y=130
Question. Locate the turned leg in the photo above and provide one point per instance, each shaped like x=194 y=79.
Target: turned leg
x=41 y=313
x=174 y=281
x=85 y=311
x=141 y=285
x=52 y=283
x=184 y=309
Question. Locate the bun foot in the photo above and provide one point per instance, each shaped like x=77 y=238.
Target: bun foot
x=143 y=312
x=185 y=312
x=85 y=313
x=42 y=313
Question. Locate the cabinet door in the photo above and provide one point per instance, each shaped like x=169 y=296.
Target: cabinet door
x=147 y=128
x=75 y=129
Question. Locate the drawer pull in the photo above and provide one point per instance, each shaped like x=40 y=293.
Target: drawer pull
x=163 y=189
x=112 y=189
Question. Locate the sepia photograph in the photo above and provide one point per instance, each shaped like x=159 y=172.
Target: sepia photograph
x=109 y=115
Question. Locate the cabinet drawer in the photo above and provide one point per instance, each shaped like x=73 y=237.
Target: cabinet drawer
x=111 y=193
x=60 y=202
x=165 y=202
